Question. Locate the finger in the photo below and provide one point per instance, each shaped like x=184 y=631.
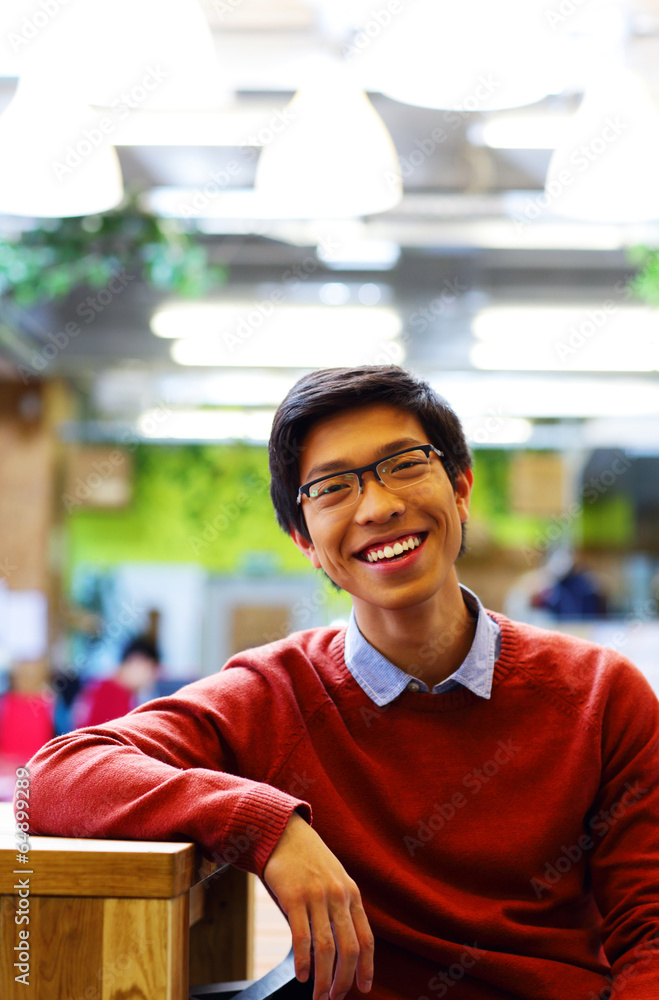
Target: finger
x=301 y=933
x=347 y=954
x=324 y=952
x=366 y=948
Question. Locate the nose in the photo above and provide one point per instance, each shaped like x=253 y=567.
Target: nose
x=377 y=503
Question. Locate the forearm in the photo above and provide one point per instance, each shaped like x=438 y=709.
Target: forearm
x=97 y=783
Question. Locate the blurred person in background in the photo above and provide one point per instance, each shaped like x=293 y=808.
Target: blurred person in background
x=112 y=697
x=574 y=593
x=26 y=719
x=563 y=589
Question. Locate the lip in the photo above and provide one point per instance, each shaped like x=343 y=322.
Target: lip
x=389 y=566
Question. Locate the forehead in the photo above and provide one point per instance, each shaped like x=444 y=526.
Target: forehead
x=358 y=436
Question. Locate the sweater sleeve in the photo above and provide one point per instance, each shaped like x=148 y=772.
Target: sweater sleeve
x=193 y=766
x=624 y=828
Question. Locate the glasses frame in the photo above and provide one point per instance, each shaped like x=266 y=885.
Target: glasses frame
x=372 y=467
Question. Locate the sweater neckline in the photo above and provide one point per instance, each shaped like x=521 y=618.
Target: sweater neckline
x=422 y=701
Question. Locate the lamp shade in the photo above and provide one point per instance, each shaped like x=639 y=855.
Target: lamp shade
x=130 y=55
x=474 y=55
x=332 y=157
x=607 y=165
x=55 y=158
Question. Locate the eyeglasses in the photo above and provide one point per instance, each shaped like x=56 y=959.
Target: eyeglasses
x=396 y=472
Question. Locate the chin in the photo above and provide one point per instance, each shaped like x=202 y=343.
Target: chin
x=396 y=599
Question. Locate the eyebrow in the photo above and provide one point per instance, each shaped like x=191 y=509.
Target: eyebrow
x=342 y=465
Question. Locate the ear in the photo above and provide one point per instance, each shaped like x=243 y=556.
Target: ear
x=306 y=548
x=463 y=485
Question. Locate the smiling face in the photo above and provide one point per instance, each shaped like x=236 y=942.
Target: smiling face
x=417 y=530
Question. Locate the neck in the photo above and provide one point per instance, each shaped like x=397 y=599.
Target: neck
x=428 y=641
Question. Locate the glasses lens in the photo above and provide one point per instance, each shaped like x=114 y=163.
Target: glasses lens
x=335 y=492
x=404 y=470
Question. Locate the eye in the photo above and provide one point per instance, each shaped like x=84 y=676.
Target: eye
x=334 y=487
x=406 y=463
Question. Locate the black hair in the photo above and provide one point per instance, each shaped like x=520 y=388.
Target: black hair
x=329 y=390
x=141 y=646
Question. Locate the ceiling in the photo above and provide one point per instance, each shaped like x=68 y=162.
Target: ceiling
x=466 y=234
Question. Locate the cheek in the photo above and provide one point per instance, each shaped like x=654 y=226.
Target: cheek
x=432 y=498
x=321 y=548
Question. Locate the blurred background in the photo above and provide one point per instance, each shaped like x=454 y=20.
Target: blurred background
x=200 y=201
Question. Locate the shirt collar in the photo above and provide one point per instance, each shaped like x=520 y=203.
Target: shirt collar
x=383 y=681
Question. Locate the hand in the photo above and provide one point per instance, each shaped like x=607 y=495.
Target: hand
x=323 y=904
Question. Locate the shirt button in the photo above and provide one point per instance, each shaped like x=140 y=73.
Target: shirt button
x=413 y=686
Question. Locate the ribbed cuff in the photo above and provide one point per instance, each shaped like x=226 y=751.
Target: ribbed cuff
x=259 y=822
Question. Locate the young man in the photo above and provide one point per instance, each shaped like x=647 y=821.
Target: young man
x=484 y=794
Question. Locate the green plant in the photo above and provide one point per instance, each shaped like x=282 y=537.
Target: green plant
x=51 y=261
x=645 y=284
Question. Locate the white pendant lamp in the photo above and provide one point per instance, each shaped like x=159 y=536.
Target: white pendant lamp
x=149 y=64
x=472 y=55
x=134 y=56
x=333 y=157
x=607 y=165
x=55 y=160
x=164 y=45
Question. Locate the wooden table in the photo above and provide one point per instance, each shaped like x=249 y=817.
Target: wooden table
x=118 y=919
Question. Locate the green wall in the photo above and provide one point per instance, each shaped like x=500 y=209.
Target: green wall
x=191 y=503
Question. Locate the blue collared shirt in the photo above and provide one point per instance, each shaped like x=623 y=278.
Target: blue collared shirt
x=382 y=681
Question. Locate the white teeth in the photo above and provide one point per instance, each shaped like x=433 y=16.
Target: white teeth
x=389 y=551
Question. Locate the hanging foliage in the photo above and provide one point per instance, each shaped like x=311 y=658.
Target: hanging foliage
x=645 y=284
x=51 y=261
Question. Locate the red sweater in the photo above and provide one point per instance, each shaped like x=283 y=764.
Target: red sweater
x=504 y=847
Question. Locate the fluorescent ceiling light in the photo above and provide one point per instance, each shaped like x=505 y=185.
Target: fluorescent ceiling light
x=121 y=392
x=637 y=436
x=370 y=294
x=490 y=397
x=520 y=131
x=268 y=354
x=207 y=425
x=334 y=293
x=604 y=337
x=260 y=334
x=361 y=255
x=235 y=388
x=482 y=431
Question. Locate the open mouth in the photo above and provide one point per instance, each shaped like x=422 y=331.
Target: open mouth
x=394 y=550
